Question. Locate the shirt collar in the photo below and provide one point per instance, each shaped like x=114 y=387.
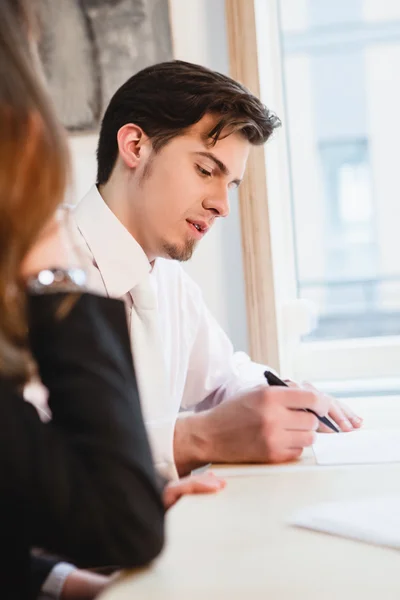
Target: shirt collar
x=121 y=261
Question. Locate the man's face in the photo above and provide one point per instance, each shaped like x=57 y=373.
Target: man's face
x=178 y=192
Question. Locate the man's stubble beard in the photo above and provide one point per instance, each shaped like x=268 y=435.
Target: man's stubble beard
x=180 y=253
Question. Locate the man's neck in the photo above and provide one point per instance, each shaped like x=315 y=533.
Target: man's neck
x=116 y=199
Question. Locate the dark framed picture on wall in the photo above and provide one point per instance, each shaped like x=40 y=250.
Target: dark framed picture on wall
x=89 y=48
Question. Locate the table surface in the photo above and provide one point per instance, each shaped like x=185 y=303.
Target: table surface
x=238 y=544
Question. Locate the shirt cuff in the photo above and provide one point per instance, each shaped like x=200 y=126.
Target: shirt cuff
x=52 y=587
x=161 y=437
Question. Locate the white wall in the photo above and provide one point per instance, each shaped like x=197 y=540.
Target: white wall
x=199 y=35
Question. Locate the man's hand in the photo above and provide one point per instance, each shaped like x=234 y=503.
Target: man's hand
x=206 y=483
x=338 y=412
x=263 y=425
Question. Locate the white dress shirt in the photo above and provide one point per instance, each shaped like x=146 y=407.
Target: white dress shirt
x=201 y=368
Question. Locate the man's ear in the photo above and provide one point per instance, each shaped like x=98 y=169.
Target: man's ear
x=132 y=145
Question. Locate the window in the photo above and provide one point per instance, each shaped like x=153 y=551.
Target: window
x=346 y=291
x=331 y=70
x=338 y=60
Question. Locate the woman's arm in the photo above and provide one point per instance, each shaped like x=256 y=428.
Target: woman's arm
x=86 y=478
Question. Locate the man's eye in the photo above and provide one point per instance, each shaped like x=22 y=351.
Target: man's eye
x=203 y=172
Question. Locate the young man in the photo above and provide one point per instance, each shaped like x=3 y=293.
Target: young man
x=174 y=140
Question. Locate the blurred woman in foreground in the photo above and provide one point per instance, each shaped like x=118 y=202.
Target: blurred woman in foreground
x=83 y=485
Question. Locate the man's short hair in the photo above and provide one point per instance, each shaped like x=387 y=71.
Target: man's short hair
x=168 y=98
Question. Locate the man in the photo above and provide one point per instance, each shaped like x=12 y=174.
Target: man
x=174 y=140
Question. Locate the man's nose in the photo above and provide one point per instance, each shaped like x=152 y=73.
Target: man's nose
x=218 y=203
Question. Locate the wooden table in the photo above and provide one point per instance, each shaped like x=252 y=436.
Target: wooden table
x=238 y=545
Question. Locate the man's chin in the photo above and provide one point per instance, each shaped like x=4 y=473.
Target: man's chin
x=181 y=253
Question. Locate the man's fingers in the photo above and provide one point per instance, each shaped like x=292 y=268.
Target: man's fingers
x=291 y=384
x=354 y=419
x=339 y=410
x=324 y=428
x=300 y=420
x=301 y=439
x=337 y=414
x=287 y=455
x=297 y=398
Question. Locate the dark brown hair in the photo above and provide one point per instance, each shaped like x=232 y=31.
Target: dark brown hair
x=168 y=98
x=33 y=175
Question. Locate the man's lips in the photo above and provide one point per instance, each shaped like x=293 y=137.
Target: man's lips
x=199 y=227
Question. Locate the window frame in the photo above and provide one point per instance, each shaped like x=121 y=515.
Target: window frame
x=253 y=197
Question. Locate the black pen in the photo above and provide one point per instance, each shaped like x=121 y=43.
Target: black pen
x=274 y=380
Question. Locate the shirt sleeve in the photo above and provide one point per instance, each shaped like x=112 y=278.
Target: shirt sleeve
x=53 y=585
x=216 y=372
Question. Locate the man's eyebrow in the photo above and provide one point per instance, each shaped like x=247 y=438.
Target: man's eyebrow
x=221 y=166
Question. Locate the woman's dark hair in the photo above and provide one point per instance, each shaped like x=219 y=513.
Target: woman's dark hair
x=168 y=98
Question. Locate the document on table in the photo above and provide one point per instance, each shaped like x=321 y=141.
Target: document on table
x=372 y=520
x=358 y=447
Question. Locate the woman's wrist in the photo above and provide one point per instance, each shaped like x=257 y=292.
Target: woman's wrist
x=57 y=280
x=83 y=585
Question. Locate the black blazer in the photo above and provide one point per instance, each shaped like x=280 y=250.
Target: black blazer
x=82 y=486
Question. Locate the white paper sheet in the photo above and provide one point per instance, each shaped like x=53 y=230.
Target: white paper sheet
x=358 y=447
x=372 y=520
